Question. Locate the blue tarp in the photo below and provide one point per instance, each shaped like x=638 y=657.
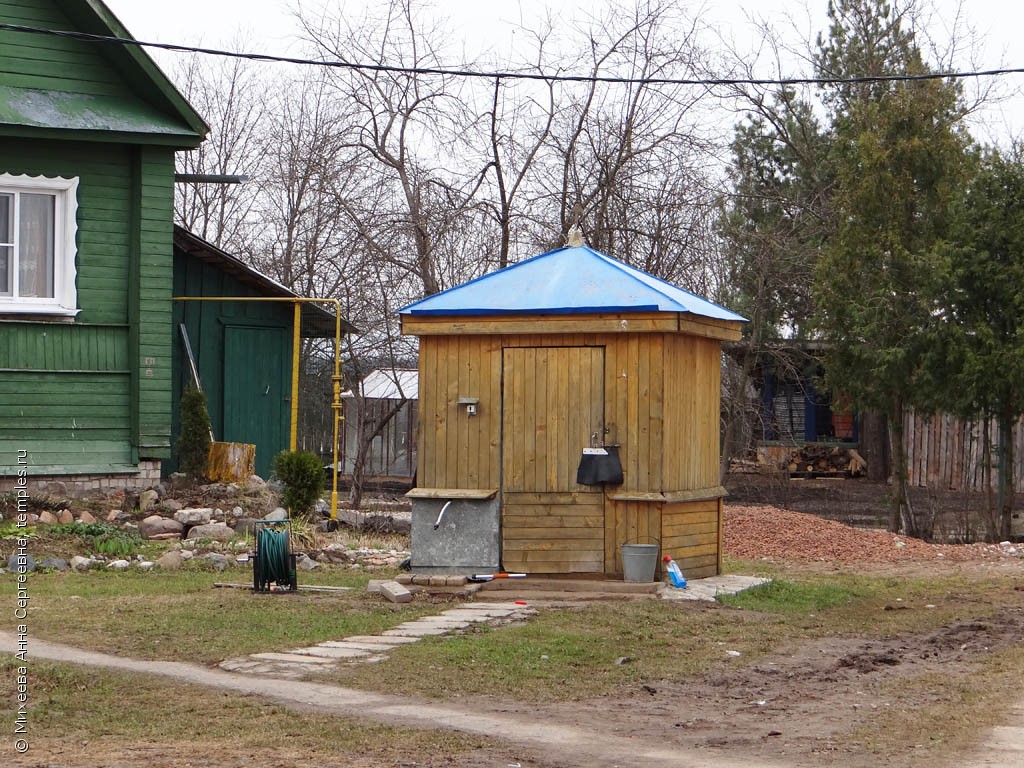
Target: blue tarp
x=566 y=281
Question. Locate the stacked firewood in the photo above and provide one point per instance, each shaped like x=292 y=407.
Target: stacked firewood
x=827 y=459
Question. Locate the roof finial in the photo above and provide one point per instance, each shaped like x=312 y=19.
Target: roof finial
x=575 y=238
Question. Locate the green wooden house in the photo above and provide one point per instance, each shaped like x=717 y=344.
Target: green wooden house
x=88 y=133
x=242 y=349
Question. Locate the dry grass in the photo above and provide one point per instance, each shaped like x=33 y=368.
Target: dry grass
x=90 y=717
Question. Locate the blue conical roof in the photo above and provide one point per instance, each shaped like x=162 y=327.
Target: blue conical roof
x=566 y=281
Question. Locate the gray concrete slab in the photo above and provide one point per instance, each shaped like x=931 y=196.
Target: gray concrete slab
x=469 y=615
x=331 y=653
x=416 y=632
x=373 y=639
x=710 y=588
x=291 y=658
x=371 y=647
x=443 y=622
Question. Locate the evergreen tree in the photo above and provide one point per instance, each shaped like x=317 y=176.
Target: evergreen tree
x=194 y=439
x=982 y=333
x=899 y=156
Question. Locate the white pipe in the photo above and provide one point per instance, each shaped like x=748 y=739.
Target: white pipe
x=437 y=523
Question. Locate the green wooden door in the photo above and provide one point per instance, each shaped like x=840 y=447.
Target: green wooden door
x=255 y=390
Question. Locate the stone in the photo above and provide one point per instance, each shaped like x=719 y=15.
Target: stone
x=145 y=565
x=81 y=564
x=65 y=516
x=179 y=481
x=213 y=531
x=194 y=516
x=52 y=564
x=373 y=585
x=170 y=561
x=46 y=517
x=23 y=563
x=216 y=560
x=118 y=565
x=148 y=499
x=112 y=515
x=333 y=653
x=155 y=525
x=166 y=537
x=336 y=553
x=245 y=526
x=395 y=592
x=85 y=517
x=277 y=515
x=306 y=563
x=255 y=481
x=56 y=488
x=237 y=513
x=172 y=505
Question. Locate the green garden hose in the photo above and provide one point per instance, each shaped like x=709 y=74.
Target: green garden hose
x=274 y=563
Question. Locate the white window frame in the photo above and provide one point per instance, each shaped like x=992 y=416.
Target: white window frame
x=64 y=302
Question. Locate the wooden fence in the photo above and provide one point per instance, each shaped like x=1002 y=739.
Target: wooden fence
x=947 y=453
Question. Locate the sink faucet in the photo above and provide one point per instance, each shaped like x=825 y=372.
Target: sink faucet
x=437 y=523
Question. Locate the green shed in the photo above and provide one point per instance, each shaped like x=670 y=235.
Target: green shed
x=88 y=133
x=242 y=349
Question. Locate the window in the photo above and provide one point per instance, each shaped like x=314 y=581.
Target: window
x=37 y=245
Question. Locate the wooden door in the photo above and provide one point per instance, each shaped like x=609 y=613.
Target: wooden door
x=255 y=397
x=552 y=403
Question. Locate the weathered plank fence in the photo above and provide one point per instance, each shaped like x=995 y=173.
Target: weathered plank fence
x=948 y=453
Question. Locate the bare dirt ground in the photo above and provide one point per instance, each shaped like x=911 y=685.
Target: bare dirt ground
x=799 y=707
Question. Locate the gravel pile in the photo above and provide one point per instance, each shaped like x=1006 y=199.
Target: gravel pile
x=763 y=532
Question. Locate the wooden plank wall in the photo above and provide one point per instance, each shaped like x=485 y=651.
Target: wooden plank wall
x=691 y=441
x=947 y=453
x=691 y=534
x=661 y=407
x=553 y=533
x=629 y=522
x=57 y=63
x=67 y=394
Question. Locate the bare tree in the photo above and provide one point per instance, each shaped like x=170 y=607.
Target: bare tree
x=407 y=126
x=229 y=95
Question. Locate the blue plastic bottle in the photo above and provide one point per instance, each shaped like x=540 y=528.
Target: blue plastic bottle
x=675 y=573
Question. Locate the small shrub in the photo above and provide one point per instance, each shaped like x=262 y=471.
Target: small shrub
x=302 y=474
x=194 y=439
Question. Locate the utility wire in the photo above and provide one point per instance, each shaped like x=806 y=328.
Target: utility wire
x=707 y=82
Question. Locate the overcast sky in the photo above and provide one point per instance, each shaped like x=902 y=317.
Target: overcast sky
x=269 y=25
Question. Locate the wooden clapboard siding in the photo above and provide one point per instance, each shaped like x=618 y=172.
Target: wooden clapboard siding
x=123 y=293
x=65 y=419
x=691 y=535
x=153 y=171
x=456 y=450
x=553 y=532
x=629 y=522
x=53 y=63
x=574 y=325
x=691 y=443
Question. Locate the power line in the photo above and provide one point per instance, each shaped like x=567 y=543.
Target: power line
x=508 y=75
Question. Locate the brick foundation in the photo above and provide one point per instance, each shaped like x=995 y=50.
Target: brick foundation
x=73 y=485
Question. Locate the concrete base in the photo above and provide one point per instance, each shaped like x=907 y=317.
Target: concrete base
x=468 y=540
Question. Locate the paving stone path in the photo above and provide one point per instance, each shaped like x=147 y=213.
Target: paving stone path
x=323 y=657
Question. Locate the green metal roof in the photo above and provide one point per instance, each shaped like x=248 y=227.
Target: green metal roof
x=62 y=110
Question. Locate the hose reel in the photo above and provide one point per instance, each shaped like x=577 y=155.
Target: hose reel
x=273 y=563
